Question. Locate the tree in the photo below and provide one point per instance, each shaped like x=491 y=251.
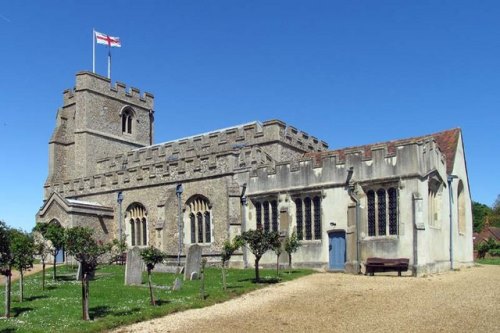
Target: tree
x=479 y=213
x=81 y=244
x=278 y=249
x=43 y=248
x=5 y=263
x=227 y=251
x=55 y=233
x=118 y=250
x=151 y=257
x=22 y=251
x=291 y=246
x=259 y=242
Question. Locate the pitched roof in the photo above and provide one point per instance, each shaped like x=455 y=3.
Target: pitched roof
x=446 y=140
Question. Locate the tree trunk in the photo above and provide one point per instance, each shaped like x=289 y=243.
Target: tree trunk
x=257 y=278
x=43 y=274
x=151 y=289
x=7 y=294
x=85 y=295
x=54 y=267
x=224 y=286
x=278 y=265
x=289 y=263
x=21 y=286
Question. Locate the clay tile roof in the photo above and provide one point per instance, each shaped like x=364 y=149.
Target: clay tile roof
x=446 y=140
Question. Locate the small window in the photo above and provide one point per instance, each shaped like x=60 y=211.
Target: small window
x=137 y=225
x=127 y=116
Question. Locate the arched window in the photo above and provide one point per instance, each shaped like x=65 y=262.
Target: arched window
x=200 y=221
x=137 y=225
x=127 y=116
x=461 y=208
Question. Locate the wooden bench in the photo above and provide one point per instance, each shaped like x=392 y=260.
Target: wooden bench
x=386 y=265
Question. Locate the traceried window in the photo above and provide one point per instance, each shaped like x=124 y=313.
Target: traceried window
x=200 y=221
x=266 y=213
x=382 y=207
x=137 y=225
x=127 y=116
x=308 y=217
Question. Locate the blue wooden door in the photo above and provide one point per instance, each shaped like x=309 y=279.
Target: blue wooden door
x=337 y=250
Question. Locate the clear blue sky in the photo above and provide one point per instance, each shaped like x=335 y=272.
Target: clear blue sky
x=347 y=72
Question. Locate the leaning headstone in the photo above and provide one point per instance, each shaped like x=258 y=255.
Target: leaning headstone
x=194 y=276
x=177 y=284
x=193 y=261
x=134 y=267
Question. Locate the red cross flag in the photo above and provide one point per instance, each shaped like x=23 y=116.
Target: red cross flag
x=107 y=40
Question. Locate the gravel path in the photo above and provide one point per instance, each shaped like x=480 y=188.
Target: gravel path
x=463 y=301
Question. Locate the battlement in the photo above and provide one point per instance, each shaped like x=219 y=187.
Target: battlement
x=404 y=158
x=293 y=136
x=102 y=85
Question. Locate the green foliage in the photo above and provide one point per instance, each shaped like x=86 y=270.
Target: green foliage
x=5 y=257
x=479 y=213
x=55 y=233
x=229 y=248
x=114 y=304
x=292 y=244
x=259 y=242
x=22 y=249
x=491 y=247
x=118 y=249
x=152 y=256
x=80 y=244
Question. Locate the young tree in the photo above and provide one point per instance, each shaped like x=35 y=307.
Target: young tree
x=291 y=246
x=227 y=251
x=259 y=242
x=118 y=250
x=81 y=244
x=43 y=248
x=278 y=249
x=55 y=233
x=22 y=251
x=5 y=263
x=151 y=257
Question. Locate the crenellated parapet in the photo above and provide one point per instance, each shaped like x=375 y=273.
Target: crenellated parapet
x=393 y=160
x=88 y=81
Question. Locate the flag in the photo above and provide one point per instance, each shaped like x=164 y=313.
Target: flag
x=107 y=40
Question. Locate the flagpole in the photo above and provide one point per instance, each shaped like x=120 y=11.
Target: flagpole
x=93 y=50
x=109 y=62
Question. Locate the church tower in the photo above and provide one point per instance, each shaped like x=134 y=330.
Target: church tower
x=97 y=120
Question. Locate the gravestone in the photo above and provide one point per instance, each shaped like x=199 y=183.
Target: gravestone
x=177 y=284
x=193 y=261
x=134 y=267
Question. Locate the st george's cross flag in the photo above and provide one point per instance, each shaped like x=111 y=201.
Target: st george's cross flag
x=107 y=40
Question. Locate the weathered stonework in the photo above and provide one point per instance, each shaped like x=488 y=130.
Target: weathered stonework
x=92 y=157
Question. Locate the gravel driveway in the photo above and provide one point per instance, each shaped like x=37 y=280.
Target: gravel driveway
x=461 y=301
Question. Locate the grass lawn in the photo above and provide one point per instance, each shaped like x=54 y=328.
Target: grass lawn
x=489 y=261
x=58 y=308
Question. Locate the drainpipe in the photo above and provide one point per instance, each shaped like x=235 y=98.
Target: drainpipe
x=350 y=191
x=243 y=199
x=450 y=193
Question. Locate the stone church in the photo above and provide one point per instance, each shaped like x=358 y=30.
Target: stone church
x=407 y=198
